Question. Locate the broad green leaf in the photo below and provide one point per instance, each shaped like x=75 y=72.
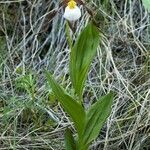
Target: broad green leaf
x=81 y=56
x=69 y=141
x=146 y=4
x=82 y=146
x=96 y=117
x=72 y=107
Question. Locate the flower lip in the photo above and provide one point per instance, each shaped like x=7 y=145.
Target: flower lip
x=72 y=14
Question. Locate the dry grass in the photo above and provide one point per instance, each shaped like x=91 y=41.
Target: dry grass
x=30 y=41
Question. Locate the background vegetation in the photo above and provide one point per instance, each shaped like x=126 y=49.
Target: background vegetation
x=33 y=38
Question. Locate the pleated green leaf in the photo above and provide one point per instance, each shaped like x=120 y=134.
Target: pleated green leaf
x=81 y=56
x=146 y=4
x=72 y=107
x=96 y=117
x=70 y=143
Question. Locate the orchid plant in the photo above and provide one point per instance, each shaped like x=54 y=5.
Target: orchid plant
x=87 y=122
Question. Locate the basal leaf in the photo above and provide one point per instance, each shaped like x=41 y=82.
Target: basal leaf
x=81 y=56
x=146 y=4
x=72 y=107
x=96 y=117
x=69 y=141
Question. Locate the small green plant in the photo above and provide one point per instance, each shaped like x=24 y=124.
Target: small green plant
x=146 y=4
x=87 y=122
x=28 y=83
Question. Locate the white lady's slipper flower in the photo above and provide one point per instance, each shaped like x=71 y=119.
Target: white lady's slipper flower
x=72 y=11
